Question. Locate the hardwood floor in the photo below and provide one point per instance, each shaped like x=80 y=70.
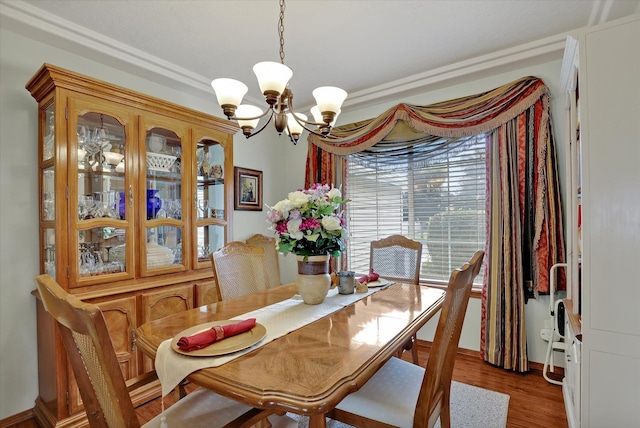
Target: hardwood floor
x=534 y=402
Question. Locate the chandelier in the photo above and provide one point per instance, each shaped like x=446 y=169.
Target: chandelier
x=273 y=79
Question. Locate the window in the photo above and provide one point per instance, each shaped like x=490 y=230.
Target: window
x=432 y=192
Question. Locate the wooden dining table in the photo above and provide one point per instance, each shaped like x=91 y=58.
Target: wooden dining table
x=311 y=369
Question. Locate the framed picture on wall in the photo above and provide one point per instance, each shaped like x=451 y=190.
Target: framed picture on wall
x=248 y=189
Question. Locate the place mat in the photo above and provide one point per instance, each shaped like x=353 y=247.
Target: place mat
x=279 y=319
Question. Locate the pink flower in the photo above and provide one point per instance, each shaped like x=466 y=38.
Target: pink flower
x=310 y=223
x=281 y=227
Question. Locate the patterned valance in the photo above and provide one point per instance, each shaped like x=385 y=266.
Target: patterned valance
x=458 y=118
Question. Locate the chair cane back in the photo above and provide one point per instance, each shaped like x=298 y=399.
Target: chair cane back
x=402 y=394
x=239 y=269
x=398 y=258
x=105 y=394
x=268 y=244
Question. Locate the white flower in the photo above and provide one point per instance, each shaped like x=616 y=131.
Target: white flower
x=284 y=206
x=331 y=223
x=293 y=228
x=298 y=199
x=334 y=193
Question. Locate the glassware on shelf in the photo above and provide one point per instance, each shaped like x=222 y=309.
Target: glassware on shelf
x=177 y=209
x=82 y=133
x=99 y=258
x=49 y=139
x=203 y=251
x=85 y=206
x=50 y=260
x=48 y=206
x=90 y=261
x=203 y=208
x=109 y=204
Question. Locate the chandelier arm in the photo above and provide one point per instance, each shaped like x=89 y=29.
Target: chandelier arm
x=263 y=126
x=300 y=121
x=304 y=124
x=264 y=113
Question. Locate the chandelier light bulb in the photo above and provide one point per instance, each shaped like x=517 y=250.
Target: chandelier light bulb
x=272 y=76
x=329 y=98
x=246 y=114
x=293 y=127
x=229 y=91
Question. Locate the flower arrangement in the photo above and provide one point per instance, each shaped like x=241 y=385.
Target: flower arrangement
x=308 y=222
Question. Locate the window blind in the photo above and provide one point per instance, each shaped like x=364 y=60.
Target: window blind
x=436 y=200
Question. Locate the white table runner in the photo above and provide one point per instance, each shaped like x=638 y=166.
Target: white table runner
x=279 y=319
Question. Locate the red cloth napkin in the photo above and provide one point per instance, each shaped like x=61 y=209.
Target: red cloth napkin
x=214 y=334
x=368 y=278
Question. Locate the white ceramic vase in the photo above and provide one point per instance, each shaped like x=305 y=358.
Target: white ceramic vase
x=313 y=280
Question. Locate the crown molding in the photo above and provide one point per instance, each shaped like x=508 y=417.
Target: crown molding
x=34 y=23
x=549 y=47
x=29 y=21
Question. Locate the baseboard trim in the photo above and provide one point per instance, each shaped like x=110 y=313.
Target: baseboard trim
x=533 y=366
x=19 y=418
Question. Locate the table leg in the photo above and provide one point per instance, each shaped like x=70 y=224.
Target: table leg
x=317 y=421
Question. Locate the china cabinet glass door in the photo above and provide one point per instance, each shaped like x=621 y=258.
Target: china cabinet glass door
x=48 y=191
x=212 y=184
x=100 y=154
x=163 y=149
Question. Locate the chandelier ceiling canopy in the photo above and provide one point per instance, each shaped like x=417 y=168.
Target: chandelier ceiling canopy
x=273 y=79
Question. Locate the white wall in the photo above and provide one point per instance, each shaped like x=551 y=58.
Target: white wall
x=283 y=170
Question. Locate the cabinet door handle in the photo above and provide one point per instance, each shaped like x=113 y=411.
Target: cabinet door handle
x=131 y=195
x=133 y=341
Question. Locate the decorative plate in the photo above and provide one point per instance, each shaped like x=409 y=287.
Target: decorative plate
x=226 y=346
x=380 y=282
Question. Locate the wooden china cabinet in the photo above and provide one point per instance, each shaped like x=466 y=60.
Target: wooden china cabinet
x=134 y=193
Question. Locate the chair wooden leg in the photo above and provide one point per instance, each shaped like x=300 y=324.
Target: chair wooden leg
x=414 y=350
x=445 y=411
x=179 y=392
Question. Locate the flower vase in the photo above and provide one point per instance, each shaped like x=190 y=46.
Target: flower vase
x=313 y=280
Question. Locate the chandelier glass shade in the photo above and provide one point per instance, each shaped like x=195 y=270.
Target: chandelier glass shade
x=273 y=79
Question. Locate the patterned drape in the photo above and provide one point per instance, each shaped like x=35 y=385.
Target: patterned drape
x=524 y=230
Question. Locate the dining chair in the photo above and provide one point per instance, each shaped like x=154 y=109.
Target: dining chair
x=239 y=269
x=402 y=394
x=398 y=258
x=104 y=392
x=268 y=243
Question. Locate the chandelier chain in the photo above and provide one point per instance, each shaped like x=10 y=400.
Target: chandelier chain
x=281 y=31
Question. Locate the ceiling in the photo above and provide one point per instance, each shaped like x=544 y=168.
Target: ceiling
x=369 y=48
